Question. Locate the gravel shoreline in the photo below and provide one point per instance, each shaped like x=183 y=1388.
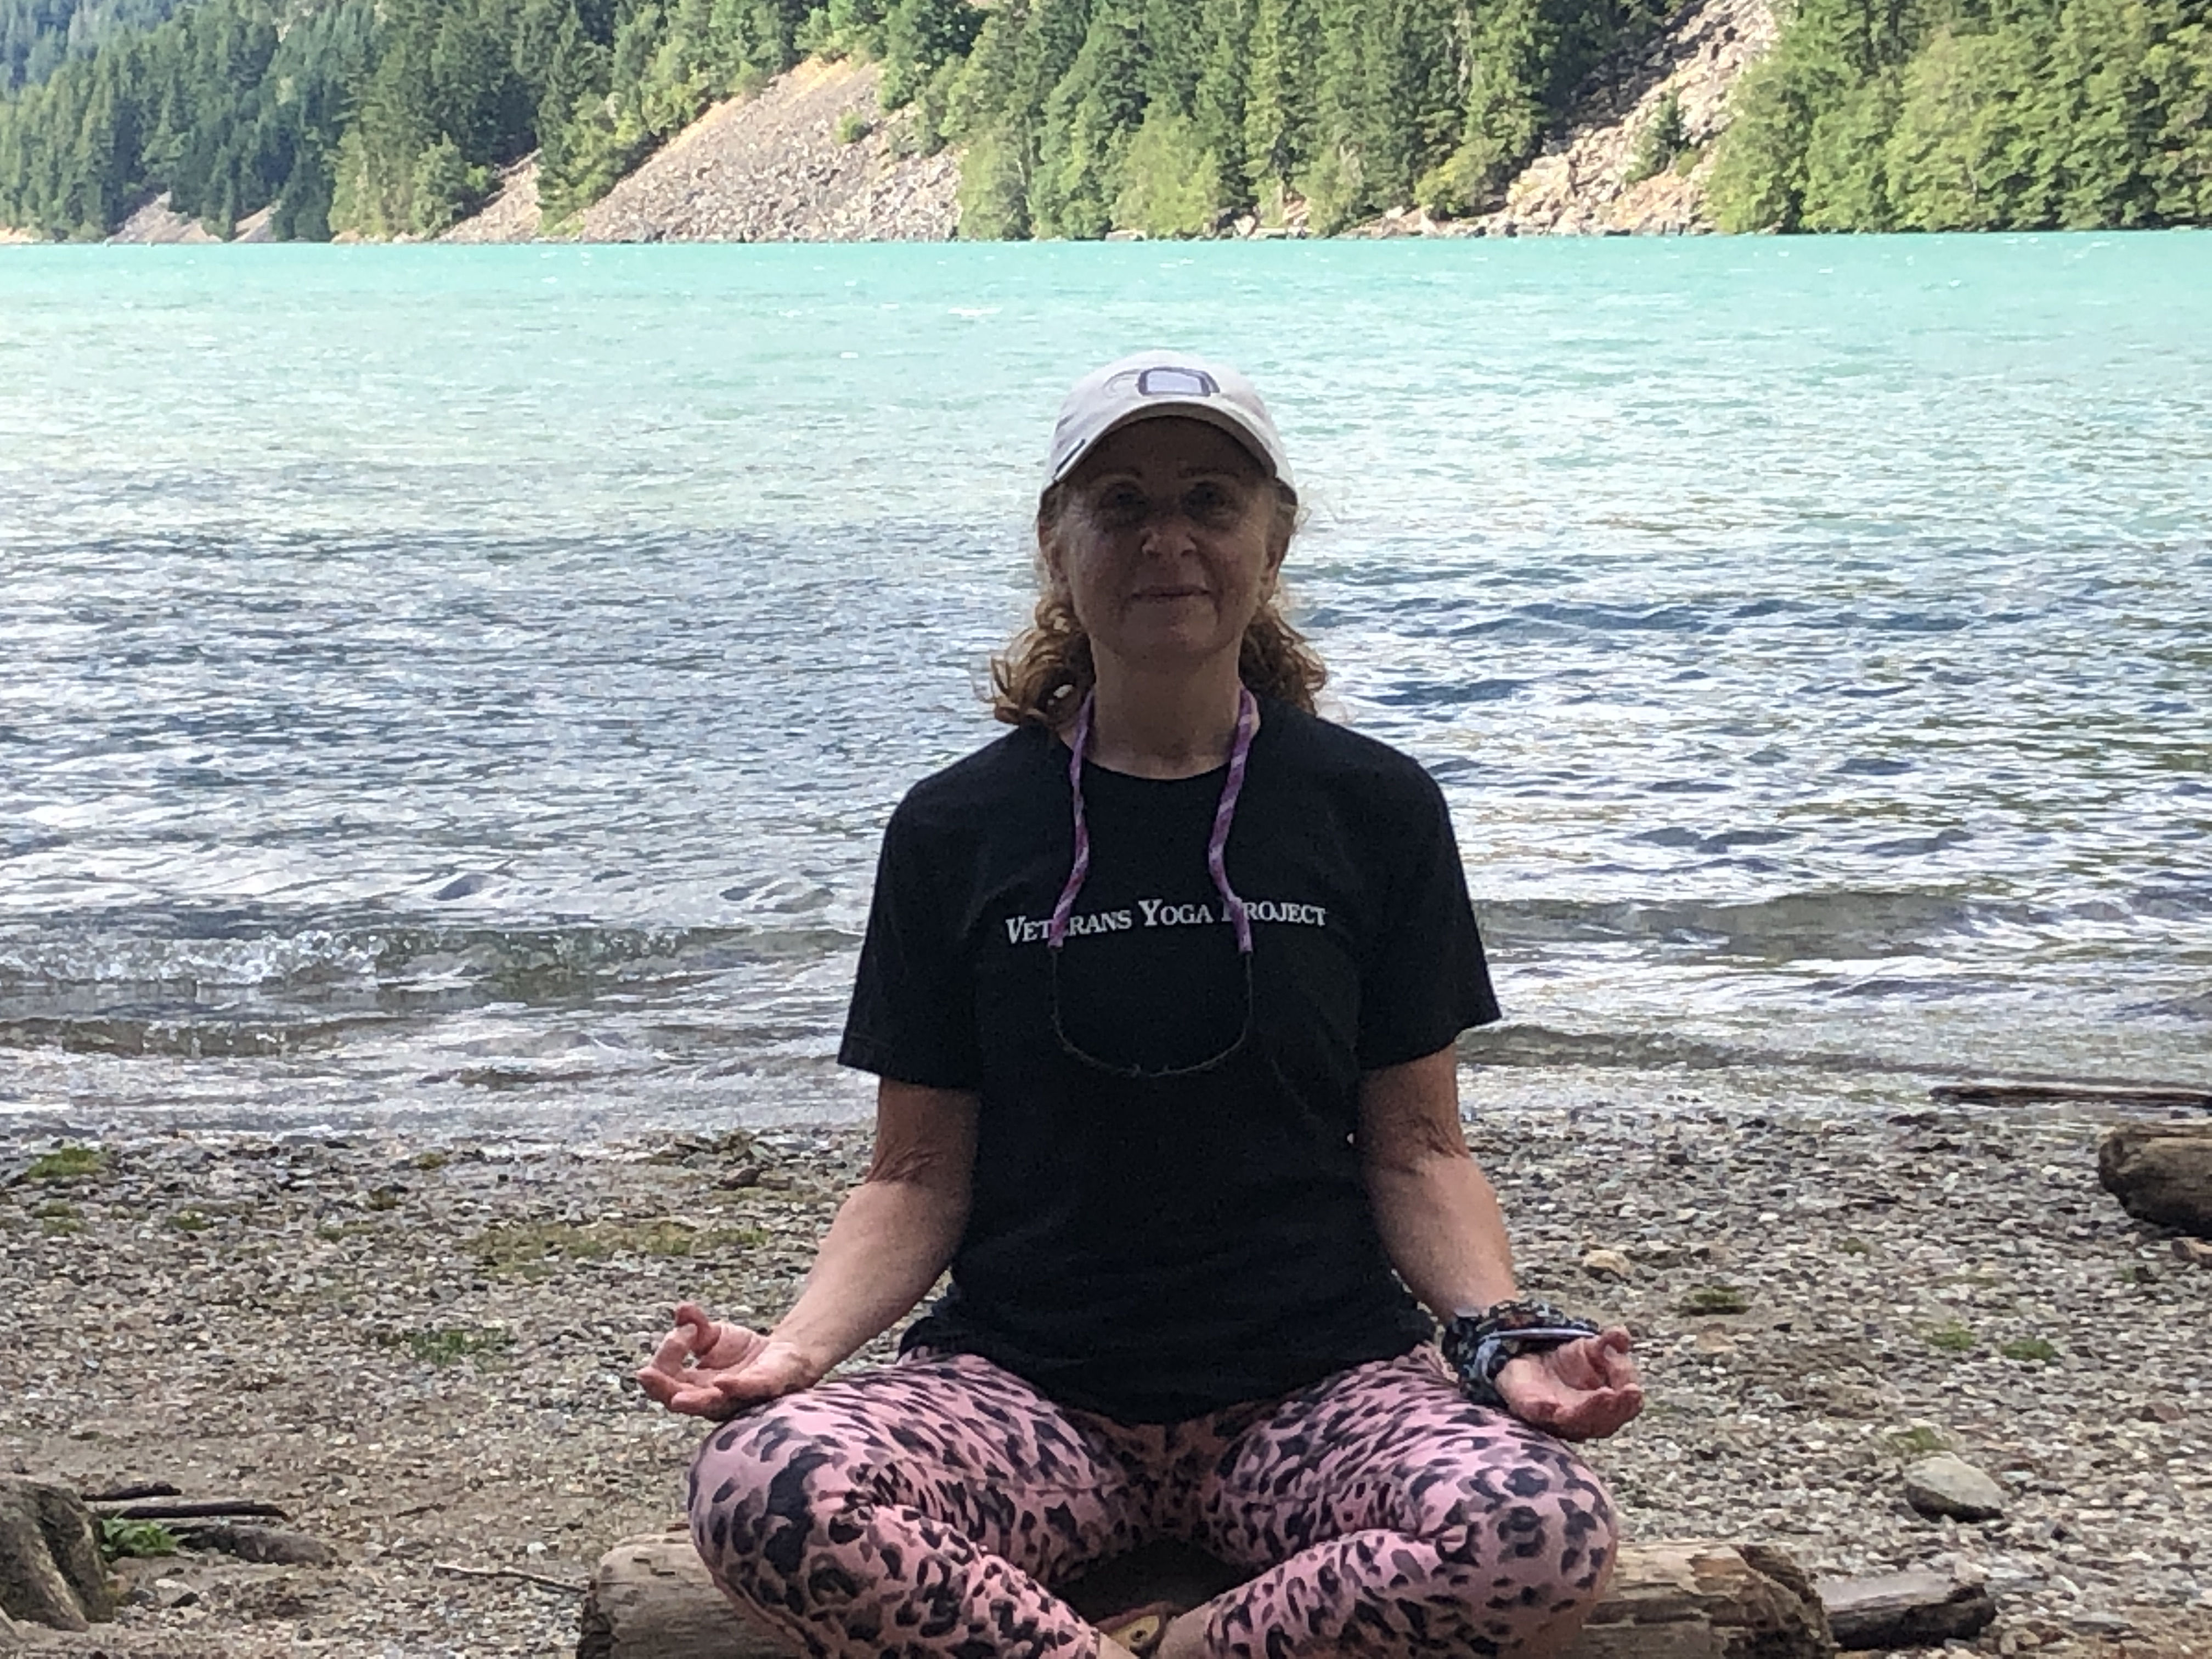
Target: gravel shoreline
x=422 y=1351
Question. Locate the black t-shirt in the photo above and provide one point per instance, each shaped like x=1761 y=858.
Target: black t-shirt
x=1160 y=1248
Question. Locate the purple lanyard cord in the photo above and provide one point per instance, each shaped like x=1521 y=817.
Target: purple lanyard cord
x=1217 y=846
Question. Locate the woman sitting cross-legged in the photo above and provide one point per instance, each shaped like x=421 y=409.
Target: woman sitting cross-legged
x=1161 y=988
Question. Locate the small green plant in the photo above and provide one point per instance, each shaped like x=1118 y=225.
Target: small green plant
x=450 y=1345
x=57 y=1217
x=1856 y=1247
x=1663 y=139
x=385 y=1197
x=1708 y=1299
x=67 y=1164
x=1951 y=1337
x=1919 y=1441
x=433 y=1160
x=190 y=1221
x=120 y=1538
x=852 y=127
x=2029 y=1350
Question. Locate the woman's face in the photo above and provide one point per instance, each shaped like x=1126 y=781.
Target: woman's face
x=1167 y=542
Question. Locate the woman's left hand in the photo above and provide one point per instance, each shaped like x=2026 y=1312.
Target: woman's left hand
x=1580 y=1390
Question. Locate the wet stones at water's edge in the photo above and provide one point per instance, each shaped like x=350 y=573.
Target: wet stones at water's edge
x=422 y=1351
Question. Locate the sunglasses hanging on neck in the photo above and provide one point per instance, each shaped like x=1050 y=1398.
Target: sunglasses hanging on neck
x=1233 y=907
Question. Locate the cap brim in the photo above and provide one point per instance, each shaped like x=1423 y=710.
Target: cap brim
x=1212 y=413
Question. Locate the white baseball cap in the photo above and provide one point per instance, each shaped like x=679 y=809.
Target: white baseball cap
x=1150 y=383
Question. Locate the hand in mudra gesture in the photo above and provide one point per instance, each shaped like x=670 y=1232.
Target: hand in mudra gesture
x=1581 y=1390
x=705 y=1368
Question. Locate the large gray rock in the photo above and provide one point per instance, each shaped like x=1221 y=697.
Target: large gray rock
x=1944 y=1485
x=2160 y=1172
x=50 y=1572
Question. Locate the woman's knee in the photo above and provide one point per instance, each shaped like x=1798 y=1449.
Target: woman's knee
x=1520 y=1554
x=761 y=1491
x=1559 y=1519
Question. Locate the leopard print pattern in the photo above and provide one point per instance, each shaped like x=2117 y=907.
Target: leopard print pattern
x=923 y=1510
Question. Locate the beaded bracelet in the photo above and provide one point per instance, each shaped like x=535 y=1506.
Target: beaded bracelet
x=1478 y=1346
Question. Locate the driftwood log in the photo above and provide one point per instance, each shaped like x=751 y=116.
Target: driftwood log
x=2160 y=1172
x=651 y=1599
x=2151 y=1096
x=1904 y=1609
x=198 y=1509
x=50 y=1572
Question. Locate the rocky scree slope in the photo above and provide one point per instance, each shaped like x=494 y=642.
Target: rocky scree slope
x=768 y=169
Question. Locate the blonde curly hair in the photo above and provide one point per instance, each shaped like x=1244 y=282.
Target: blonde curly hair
x=1042 y=675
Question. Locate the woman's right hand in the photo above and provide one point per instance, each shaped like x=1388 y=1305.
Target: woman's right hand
x=704 y=1368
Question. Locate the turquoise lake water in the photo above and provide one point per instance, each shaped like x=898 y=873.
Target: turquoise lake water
x=465 y=685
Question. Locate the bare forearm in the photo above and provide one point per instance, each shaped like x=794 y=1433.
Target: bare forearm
x=1434 y=1207
x=891 y=1240
x=1440 y=1223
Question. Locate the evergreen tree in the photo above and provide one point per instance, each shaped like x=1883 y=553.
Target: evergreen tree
x=1847 y=179
x=1170 y=182
x=1279 y=97
x=1217 y=108
x=303 y=207
x=994 y=188
x=1954 y=158
x=1088 y=120
x=919 y=37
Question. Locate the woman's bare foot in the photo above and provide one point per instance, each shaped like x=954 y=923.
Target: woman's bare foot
x=1186 y=1638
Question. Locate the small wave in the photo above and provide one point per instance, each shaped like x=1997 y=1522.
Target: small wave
x=1542 y=1047
x=2195 y=1008
x=1790 y=925
x=1429 y=694
x=1549 y=619
x=313 y=957
x=1841 y=925
x=1724 y=841
x=525 y=963
x=182 y=1037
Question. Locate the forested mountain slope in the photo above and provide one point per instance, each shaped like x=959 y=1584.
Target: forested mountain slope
x=37 y=36
x=1072 y=116
x=1078 y=117
x=1975 y=115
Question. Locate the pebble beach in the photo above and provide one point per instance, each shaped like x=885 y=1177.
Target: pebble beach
x=421 y=1350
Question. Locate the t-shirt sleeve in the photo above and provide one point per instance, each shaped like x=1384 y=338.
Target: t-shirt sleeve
x=912 y=1014
x=1425 y=980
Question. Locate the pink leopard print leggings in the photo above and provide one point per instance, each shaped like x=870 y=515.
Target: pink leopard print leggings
x=922 y=1510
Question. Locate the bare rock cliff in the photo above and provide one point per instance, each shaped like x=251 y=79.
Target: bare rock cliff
x=156 y=222
x=1580 y=185
x=512 y=214
x=768 y=169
